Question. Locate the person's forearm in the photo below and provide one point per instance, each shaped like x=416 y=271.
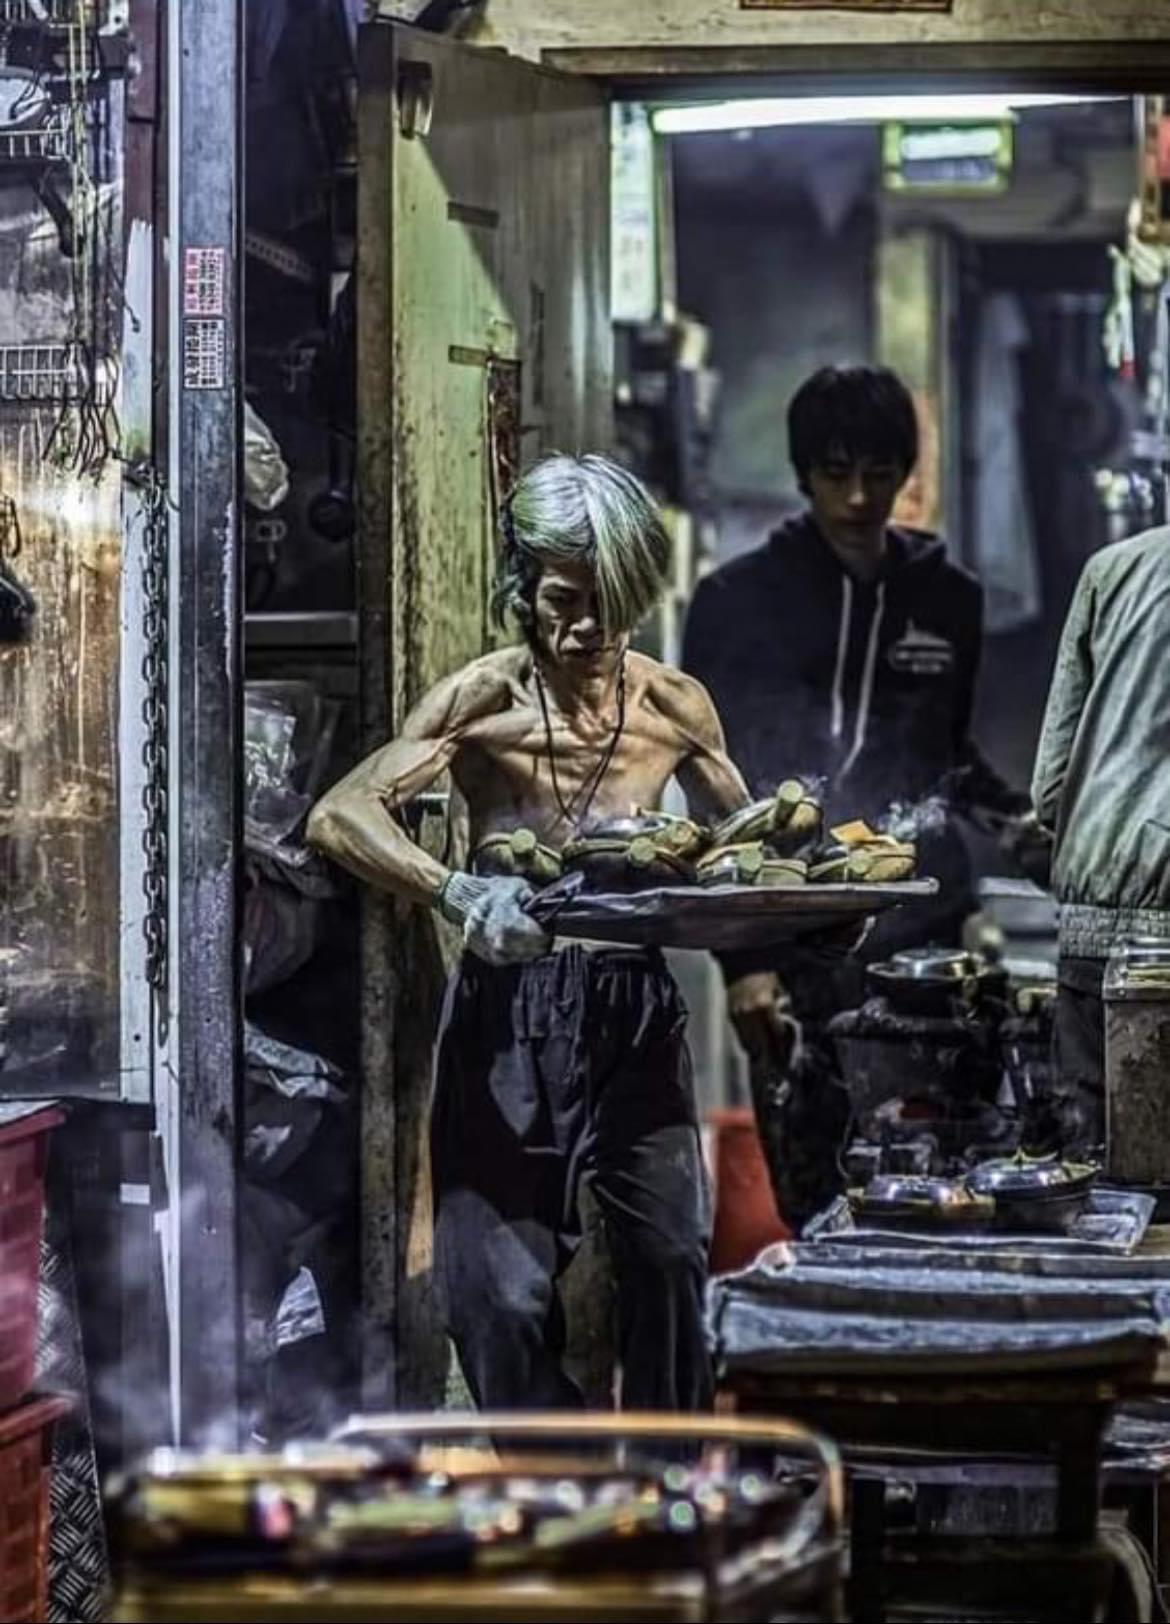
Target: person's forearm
x=713 y=786
x=361 y=836
x=978 y=787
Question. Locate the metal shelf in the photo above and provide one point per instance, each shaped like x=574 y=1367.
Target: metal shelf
x=50 y=143
x=50 y=13
x=30 y=373
x=319 y=629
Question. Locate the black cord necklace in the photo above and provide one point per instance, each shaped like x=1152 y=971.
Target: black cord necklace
x=592 y=783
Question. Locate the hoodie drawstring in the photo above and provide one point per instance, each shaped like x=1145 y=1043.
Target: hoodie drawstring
x=838 y=722
x=865 y=700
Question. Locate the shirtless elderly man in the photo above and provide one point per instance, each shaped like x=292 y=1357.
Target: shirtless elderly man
x=556 y=1062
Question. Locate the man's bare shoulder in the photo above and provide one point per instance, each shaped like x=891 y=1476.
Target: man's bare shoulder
x=481 y=688
x=680 y=698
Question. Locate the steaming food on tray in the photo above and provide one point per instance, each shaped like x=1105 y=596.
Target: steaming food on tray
x=637 y=852
x=774 y=841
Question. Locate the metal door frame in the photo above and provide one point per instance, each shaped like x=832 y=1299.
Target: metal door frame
x=198 y=1067
x=198 y=1071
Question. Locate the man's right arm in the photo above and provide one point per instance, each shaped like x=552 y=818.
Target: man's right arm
x=1066 y=699
x=356 y=823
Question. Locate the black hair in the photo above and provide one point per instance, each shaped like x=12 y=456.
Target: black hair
x=852 y=412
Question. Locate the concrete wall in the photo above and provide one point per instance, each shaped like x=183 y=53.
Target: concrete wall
x=783 y=289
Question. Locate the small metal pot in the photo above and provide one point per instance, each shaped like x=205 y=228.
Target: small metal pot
x=923 y=1200
x=786 y=822
x=519 y=853
x=936 y=981
x=749 y=864
x=628 y=854
x=877 y=862
x=1034 y=1193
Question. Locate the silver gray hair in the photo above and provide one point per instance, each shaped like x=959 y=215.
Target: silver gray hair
x=583 y=510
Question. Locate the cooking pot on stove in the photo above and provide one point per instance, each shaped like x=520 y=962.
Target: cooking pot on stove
x=1034 y=1192
x=937 y=981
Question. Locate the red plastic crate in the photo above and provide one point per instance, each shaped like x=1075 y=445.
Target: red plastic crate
x=24 y=1152
x=26 y=1436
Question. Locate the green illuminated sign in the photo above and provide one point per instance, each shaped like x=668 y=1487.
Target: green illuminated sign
x=947 y=159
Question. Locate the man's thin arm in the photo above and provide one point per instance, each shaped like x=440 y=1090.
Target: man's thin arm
x=355 y=823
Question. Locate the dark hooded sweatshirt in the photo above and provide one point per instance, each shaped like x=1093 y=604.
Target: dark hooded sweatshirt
x=865 y=688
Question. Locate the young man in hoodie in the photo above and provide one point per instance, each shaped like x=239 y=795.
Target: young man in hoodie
x=845 y=651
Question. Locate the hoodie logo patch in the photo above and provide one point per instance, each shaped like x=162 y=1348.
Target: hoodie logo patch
x=921 y=653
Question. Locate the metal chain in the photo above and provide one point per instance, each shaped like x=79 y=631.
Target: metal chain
x=10 y=537
x=155 y=716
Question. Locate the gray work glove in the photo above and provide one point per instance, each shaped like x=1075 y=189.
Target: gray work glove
x=490 y=913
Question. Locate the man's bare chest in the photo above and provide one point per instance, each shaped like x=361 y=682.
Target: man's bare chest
x=524 y=753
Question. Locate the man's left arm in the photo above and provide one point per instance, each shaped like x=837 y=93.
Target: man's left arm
x=710 y=780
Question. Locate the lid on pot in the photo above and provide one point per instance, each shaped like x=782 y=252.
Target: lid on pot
x=934 y=964
x=915 y=1189
x=1022 y=1175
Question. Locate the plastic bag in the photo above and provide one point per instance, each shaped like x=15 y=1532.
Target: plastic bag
x=265 y=470
x=288 y=732
x=301 y=1313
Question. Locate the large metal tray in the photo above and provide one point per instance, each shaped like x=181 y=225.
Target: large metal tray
x=718 y=916
x=1112 y=1224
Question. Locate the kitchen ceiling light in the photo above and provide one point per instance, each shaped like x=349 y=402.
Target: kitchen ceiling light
x=772 y=111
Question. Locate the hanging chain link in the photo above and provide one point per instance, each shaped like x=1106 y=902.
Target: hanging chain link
x=10 y=536
x=155 y=716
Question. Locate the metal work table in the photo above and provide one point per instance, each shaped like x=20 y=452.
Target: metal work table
x=995 y=1417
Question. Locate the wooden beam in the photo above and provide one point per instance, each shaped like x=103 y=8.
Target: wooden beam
x=659 y=73
x=537 y=28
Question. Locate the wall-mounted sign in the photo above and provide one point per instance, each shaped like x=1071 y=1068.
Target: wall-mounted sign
x=846 y=5
x=947 y=159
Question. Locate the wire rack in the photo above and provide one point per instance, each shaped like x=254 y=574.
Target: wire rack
x=50 y=142
x=58 y=12
x=37 y=372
